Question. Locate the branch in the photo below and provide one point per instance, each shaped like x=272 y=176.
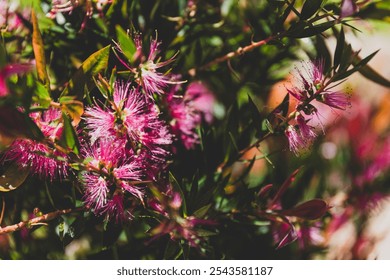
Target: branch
x=230 y=55
x=38 y=220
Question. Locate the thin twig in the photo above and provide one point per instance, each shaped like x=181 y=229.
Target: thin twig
x=38 y=220
x=2 y=210
x=238 y=52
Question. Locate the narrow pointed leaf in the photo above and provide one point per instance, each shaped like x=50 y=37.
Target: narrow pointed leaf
x=69 y=138
x=339 y=48
x=39 y=52
x=310 y=7
x=126 y=43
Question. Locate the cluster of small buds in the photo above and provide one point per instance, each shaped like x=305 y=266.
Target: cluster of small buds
x=311 y=86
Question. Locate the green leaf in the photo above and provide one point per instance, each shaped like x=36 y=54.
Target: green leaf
x=254 y=109
x=310 y=7
x=201 y=212
x=39 y=52
x=42 y=96
x=95 y=63
x=69 y=138
x=339 y=48
x=3 y=56
x=126 y=43
x=13 y=177
x=301 y=30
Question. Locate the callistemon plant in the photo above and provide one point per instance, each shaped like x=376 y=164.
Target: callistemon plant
x=187 y=129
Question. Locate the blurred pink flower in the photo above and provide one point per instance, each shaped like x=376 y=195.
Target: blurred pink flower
x=188 y=112
x=9 y=70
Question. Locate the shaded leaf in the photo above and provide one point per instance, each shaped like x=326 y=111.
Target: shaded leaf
x=303 y=30
x=283 y=188
x=13 y=177
x=310 y=7
x=16 y=124
x=339 y=48
x=39 y=52
x=69 y=138
x=311 y=210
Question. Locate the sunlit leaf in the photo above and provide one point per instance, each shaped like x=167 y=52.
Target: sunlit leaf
x=39 y=52
x=69 y=138
x=126 y=43
x=95 y=63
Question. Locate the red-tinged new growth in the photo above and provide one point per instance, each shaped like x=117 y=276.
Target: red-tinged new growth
x=109 y=178
x=42 y=160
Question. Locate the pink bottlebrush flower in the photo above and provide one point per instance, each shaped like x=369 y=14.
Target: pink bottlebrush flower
x=305 y=130
x=296 y=142
x=301 y=136
x=335 y=99
x=115 y=209
x=8 y=71
x=131 y=119
x=110 y=173
x=147 y=72
x=44 y=161
x=308 y=79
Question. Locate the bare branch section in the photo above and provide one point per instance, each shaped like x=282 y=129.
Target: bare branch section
x=230 y=55
x=38 y=220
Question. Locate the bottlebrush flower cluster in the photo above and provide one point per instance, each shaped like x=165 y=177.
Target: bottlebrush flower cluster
x=310 y=86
